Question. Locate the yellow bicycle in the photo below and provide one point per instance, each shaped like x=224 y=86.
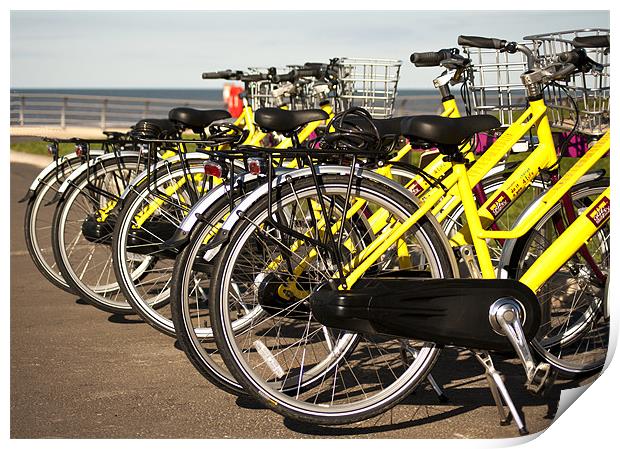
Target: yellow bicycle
x=324 y=267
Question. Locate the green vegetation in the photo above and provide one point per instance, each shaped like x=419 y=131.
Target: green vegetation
x=40 y=147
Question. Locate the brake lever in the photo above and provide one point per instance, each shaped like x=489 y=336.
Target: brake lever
x=455 y=63
x=510 y=47
x=594 y=66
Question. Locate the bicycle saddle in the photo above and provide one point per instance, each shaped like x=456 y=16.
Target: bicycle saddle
x=281 y=120
x=197 y=119
x=446 y=131
x=154 y=128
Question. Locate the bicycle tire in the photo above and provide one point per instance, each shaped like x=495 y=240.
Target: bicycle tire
x=260 y=389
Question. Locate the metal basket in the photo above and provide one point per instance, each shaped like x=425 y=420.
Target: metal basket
x=590 y=91
x=261 y=94
x=494 y=83
x=368 y=83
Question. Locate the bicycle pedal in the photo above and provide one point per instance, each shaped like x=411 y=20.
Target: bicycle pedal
x=542 y=377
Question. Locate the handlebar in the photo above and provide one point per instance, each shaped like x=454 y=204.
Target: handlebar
x=580 y=60
x=295 y=74
x=238 y=75
x=591 y=41
x=564 y=65
x=567 y=70
x=482 y=42
x=315 y=70
x=224 y=74
x=499 y=44
x=430 y=58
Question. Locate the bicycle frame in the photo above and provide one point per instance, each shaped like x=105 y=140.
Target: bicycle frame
x=442 y=200
x=458 y=184
x=463 y=180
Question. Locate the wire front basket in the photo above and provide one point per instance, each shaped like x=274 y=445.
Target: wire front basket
x=494 y=83
x=368 y=83
x=589 y=91
x=303 y=94
x=260 y=94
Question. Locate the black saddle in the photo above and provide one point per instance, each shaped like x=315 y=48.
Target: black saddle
x=284 y=121
x=154 y=128
x=197 y=119
x=444 y=131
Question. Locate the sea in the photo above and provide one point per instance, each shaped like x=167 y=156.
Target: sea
x=183 y=94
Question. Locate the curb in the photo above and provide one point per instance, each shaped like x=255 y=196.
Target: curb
x=37 y=160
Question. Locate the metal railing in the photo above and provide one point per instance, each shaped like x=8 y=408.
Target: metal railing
x=93 y=111
x=105 y=112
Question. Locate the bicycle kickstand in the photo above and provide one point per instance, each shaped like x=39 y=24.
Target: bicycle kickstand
x=499 y=392
x=431 y=380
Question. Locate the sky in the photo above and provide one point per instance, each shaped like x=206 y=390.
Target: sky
x=170 y=49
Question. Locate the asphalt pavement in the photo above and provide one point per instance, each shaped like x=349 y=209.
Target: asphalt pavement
x=80 y=372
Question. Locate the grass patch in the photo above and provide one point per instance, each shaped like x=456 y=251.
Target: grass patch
x=40 y=147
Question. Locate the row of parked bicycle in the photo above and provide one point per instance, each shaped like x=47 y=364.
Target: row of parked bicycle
x=299 y=255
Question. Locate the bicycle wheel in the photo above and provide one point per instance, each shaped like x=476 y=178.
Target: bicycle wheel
x=574 y=335
x=82 y=232
x=38 y=222
x=190 y=292
x=273 y=347
x=151 y=213
x=189 y=301
x=191 y=281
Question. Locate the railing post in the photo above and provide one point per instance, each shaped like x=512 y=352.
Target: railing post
x=22 y=106
x=146 y=109
x=104 y=111
x=63 y=113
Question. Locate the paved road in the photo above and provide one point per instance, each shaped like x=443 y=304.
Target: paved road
x=79 y=372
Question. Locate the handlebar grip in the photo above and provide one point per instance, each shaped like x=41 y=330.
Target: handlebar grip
x=429 y=58
x=295 y=74
x=481 y=42
x=591 y=41
x=315 y=72
x=314 y=65
x=224 y=74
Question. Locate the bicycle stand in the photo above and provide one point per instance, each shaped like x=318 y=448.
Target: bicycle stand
x=505 y=317
x=431 y=380
x=499 y=392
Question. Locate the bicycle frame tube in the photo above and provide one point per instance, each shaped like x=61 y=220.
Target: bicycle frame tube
x=555 y=194
x=569 y=242
x=550 y=198
x=535 y=115
x=543 y=156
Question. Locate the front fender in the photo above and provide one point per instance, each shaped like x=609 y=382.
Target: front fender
x=63 y=162
x=83 y=168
